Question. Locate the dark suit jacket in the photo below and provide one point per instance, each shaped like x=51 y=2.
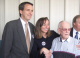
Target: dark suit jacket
x=14 y=42
x=71 y=32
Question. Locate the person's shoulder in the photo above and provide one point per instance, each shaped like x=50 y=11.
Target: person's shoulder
x=56 y=39
x=32 y=26
x=74 y=39
x=12 y=21
x=31 y=23
x=55 y=34
x=53 y=31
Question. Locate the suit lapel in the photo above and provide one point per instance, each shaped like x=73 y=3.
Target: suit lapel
x=71 y=33
x=21 y=33
x=32 y=36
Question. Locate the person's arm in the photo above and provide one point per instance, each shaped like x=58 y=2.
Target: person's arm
x=55 y=34
x=7 y=39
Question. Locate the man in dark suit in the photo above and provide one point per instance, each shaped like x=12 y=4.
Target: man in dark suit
x=14 y=39
x=75 y=30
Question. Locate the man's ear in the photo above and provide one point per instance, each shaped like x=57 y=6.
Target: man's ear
x=20 y=11
x=73 y=23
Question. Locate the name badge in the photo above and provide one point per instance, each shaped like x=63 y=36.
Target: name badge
x=43 y=43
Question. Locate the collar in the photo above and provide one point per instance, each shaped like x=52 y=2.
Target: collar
x=76 y=31
x=22 y=21
x=68 y=40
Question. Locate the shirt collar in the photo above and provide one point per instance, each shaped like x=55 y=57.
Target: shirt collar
x=22 y=21
x=68 y=40
x=76 y=31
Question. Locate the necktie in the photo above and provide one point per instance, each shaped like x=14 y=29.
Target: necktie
x=27 y=38
x=76 y=36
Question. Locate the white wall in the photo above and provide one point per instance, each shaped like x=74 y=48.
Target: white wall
x=63 y=10
x=2 y=17
x=55 y=10
x=56 y=13
x=11 y=10
x=41 y=9
x=71 y=9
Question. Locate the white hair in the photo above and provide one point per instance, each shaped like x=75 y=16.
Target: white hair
x=60 y=23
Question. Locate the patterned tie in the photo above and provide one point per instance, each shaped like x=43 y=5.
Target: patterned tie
x=76 y=36
x=27 y=38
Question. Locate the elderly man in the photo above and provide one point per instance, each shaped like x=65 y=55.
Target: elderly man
x=65 y=43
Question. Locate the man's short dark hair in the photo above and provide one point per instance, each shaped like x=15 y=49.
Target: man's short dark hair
x=75 y=18
x=21 y=6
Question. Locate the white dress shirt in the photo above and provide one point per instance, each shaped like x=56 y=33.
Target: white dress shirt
x=24 y=27
x=74 y=33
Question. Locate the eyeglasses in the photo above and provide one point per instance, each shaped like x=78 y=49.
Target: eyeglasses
x=64 y=29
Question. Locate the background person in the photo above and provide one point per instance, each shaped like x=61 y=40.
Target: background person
x=76 y=27
x=75 y=30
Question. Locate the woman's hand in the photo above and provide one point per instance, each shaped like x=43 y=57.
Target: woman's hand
x=44 y=50
x=47 y=52
x=48 y=55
